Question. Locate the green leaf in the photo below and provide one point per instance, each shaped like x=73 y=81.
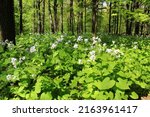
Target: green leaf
x=46 y=96
x=134 y=95
x=123 y=84
x=99 y=95
x=86 y=94
x=33 y=95
x=38 y=87
x=105 y=84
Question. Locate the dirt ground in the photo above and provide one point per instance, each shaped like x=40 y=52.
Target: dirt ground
x=145 y=98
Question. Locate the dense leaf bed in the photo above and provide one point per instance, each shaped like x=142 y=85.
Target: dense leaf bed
x=71 y=67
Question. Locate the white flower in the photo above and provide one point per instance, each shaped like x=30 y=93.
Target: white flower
x=94 y=42
x=108 y=50
x=92 y=52
x=80 y=61
x=60 y=39
x=75 y=45
x=116 y=51
x=32 y=49
x=135 y=47
x=113 y=42
x=79 y=38
x=9 y=77
x=53 y=46
x=92 y=57
x=14 y=62
x=135 y=43
x=104 y=44
x=22 y=59
x=86 y=40
x=10 y=45
x=2 y=43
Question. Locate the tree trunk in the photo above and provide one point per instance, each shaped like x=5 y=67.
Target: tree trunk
x=94 y=16
x=39 y=16
x=85 y=15
x=43 y=17
x=110 y=9
x=21 y=23
x=71 y=17
x=55 y=16
x=137 y=23
x=7 y=21
x=51 y=17
x=62 y=16
x=34 y=17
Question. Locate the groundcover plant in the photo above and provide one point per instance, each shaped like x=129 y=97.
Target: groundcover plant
x=64 y=67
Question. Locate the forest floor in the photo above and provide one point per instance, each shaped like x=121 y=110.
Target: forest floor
x=146 y=97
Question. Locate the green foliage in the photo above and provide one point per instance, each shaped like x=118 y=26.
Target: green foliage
x=46 y=67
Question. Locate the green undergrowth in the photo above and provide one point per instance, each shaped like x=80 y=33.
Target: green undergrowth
x=75 y=67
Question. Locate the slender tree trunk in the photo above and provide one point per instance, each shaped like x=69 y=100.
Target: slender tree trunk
x=55 y=16
x=34 y=17
x=94 y=16
x=39 y=16
x=137 y=23
x=127 y=20
x=62 y=16
x=85 y=15
x=71 y=17
x=43 y=17
x=110 y=9
x=51 y=17
x=21 y=23
x=7 y=21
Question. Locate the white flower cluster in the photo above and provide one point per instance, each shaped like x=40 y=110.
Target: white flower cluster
x=21 y=59
x=96 y=40
x=135 y=45
x=59 y=40
x=54 y=45
x=80 y=61
x=14 y=62
x=115 y=52
x=75 y=46
x=86 y=40
x=32 y=49
x=2 y=43
x=79 y=38
x=92 y=55
x=10 y=77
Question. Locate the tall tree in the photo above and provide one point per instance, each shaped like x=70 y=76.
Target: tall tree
x=7 y=22
x=39 y=16
x=110 y=11
x=137 y=23
x=55 y=16
x=51 y=17
x=71 y=17
x=43 y=16
x=21 y=23
x=85 y=15
x=62 y=15
x=94 y=16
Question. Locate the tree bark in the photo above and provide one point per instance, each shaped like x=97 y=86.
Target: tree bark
x=21 y=22
x=71 y=17
x=7 y=21
x=110 y=9
x=55 y=16
x=94 y=16
x=62 y=16
x=43 y=17
x=51 y=17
